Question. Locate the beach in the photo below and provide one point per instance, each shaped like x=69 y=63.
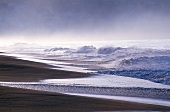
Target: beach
x=19 y=100
x=16 y=70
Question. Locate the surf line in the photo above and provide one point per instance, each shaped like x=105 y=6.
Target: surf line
x=120 y=98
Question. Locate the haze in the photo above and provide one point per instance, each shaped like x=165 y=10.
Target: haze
x=50 y=21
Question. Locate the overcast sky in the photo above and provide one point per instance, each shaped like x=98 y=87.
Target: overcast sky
x=83 y=20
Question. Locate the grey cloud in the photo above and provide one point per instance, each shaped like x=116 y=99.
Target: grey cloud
x=55 y=16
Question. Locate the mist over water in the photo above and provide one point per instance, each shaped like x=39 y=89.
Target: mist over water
x=144 y=59
x=52 y=21
x=105 y=32
x=123 y=43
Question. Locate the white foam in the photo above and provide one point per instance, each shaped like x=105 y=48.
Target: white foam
x=108 y=81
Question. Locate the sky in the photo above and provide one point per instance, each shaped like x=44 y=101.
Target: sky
x=50 y=21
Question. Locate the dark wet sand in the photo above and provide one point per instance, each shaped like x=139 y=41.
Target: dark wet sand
x=18 y=70
x=22 y=100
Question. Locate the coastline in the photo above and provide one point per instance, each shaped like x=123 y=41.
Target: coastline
x=19 y=100
x=15 y=70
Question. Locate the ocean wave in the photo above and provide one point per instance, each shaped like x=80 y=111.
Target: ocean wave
x=86 y=49
x=108 y=50
x=55 y=49
x=147 y=63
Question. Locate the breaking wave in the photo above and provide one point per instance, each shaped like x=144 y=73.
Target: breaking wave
x=108 y=50
x=149 y=64
x=86 y=49
x=146 y=63
x=143 y=59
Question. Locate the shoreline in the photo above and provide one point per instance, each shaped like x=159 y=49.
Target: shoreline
x=153 y=96
x=154 y=93
x=18 y=100
x=26 y=71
